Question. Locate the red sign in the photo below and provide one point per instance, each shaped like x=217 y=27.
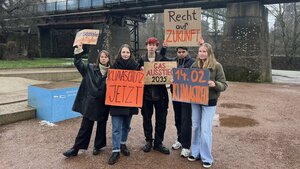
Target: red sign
x=124 y=88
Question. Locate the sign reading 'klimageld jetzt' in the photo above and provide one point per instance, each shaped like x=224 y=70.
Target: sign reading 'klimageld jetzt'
x=86 y=36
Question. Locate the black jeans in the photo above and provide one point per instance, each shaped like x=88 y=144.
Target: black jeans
x=160 y=121
x=84 y=135
x=183 y=122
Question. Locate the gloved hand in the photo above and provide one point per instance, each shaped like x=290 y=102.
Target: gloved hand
x=78 y=49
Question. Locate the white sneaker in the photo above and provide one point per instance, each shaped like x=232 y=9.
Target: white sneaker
x=206 y=165
x=185 y=152
x=192 y=158
x=176 y=145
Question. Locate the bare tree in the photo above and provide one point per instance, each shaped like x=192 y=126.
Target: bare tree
x=15 y=12
x=152 y=27
x=296 y=32
x=215 y=19
x=15 y=23
x=287 y=25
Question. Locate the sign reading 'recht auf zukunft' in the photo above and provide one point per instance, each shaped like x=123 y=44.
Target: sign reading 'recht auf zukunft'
x=182 y=26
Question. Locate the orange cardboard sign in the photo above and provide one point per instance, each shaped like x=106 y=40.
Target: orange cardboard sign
x=124 y=88
x=159 y=72
x=183 y=26
x=86 y=36
x=191 y=85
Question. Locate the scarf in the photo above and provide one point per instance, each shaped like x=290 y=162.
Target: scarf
x=103 y=69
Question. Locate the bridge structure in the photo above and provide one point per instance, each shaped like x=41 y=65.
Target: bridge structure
x=245 y=46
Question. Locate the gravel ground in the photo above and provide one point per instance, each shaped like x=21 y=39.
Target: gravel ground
x=259 y=129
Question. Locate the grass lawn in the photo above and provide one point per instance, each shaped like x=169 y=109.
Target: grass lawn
x=37 y=63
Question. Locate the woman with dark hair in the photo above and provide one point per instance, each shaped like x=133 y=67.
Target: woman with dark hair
x=120 y=115
x=90 y=102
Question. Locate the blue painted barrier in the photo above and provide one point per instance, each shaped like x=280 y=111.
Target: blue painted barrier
x=52 y=102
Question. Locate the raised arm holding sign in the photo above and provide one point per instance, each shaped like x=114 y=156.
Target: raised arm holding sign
x=155 y=96
x=90 y=101
x=183 y=111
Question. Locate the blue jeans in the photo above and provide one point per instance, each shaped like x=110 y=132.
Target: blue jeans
x=120 y=130
x=202 y=119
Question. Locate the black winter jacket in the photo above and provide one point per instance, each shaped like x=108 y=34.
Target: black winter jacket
x=90 y=99
x=186 y=62
x=156 y=92
x=125 y=65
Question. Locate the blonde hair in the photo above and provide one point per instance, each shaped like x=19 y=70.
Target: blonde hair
x=210 y=62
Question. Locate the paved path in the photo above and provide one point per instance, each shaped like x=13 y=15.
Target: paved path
x=271 y=143
x=259 y=129
x=286 y=76
x=16 y=87
x=35 y=70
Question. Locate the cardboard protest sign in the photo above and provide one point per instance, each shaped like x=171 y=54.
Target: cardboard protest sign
x=124 y=88
x=191 y=85
x=182 y=26
x=86 y=36
x=159 y=72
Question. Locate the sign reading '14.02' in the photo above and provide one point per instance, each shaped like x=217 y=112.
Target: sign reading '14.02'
x=191 y=85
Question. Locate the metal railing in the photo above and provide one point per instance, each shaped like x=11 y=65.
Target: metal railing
x=73 y=5
x=66 y=5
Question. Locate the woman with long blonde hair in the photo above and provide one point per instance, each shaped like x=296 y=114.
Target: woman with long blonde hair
x=202 y=115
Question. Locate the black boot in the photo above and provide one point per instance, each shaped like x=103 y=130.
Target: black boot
x=96 y=151
x=71 y=152
x=114 y=158
x=147 y=147
x=161 y=148
x=125 y=150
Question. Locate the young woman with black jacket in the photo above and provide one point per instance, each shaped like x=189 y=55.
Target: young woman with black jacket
x=90 y=102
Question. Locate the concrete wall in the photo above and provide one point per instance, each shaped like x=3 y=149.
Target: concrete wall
x=245 y=48
x=111 y=38
x=56 y=43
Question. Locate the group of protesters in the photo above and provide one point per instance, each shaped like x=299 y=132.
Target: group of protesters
x=193 y=121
